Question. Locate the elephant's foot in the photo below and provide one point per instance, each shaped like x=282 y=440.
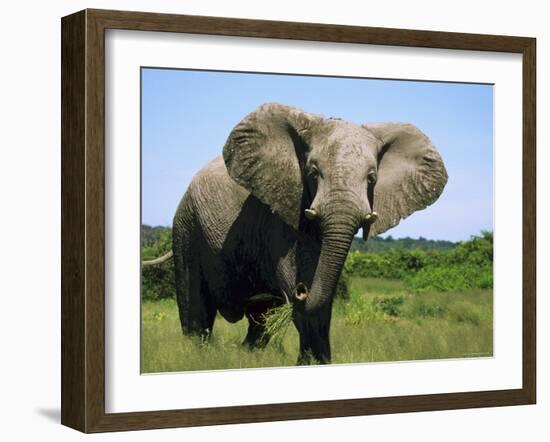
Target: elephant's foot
x=203 y=333
x=308 y=358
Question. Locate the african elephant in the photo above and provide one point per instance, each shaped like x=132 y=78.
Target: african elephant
x=276 y=214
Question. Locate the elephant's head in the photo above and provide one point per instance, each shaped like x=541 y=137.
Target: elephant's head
x=335 y=174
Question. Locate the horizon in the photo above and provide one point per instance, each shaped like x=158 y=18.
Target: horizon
x=187 y=115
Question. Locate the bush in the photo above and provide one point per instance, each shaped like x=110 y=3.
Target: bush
x=459 y=277
x=394 y=264
x=390 y=306
x=358 y=311
x=468 y=265
x=157 y=281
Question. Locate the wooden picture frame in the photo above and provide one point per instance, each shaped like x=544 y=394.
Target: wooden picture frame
x=83 y=220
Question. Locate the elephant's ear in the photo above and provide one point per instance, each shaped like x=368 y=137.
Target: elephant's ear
x=411 y=174
x=265 y=153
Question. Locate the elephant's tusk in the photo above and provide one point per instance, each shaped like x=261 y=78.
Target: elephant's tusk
x=311 y=214
x=371 y=217
x=160 y=260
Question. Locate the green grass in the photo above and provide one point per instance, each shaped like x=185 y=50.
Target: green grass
x=381 y=321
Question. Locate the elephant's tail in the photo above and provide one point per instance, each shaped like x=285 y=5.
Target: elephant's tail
x=158 y=260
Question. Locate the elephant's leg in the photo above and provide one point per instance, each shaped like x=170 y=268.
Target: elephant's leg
x=256 y=308
x=197 y=310
x=256 y=336
x=314 y=353
x=210 y=308
x=314 y=331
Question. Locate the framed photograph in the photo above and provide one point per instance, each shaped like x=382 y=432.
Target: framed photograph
x=267 y=220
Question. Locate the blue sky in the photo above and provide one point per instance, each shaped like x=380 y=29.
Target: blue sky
x=187 y=116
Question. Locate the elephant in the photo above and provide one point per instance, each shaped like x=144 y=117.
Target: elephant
x=272 y=219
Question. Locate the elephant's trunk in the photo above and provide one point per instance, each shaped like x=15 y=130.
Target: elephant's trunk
x=338 y=231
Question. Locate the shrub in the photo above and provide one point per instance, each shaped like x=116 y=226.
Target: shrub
x=390 y=306
x=468 y=265
x=157 y=281
x=360 y=310
x=459 y=277
x=359 y=313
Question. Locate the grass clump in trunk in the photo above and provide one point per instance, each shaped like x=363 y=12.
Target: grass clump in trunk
x=276 y=322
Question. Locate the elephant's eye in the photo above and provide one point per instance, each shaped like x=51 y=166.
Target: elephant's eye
x=313 y=173
x=371 y=177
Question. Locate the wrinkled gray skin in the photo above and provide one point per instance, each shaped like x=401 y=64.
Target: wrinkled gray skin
x=241 y=241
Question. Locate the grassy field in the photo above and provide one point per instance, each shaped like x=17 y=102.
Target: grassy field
x=381 y=321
